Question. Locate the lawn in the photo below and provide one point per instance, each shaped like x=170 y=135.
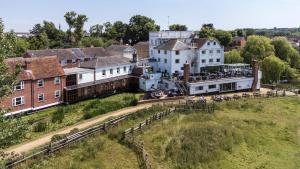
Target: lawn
x=254 y=134
x=58 y=117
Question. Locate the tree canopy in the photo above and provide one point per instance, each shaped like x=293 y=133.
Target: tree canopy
x=258 y=48
x=178 y=27
x=272 y=68
x=233 y=56
x=224 y=37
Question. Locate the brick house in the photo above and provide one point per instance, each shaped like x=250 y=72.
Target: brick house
x=41 y=83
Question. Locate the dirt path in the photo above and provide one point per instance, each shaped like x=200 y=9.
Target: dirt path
x=25 y=147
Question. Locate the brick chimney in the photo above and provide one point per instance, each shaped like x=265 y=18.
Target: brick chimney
x=186 y=72
x=27 y=65
x=134 y=57
x=255 y=68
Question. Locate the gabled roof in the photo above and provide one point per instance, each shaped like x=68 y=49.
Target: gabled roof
x=173 y=44
x=36 y=68
x=200 y=42
x=118 y=49
x=104 y=62
x=142 y=49
x=68 y=54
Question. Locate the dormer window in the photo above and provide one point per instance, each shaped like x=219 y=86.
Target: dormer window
x=111 y=71
x=118 y=70
x=215 y=43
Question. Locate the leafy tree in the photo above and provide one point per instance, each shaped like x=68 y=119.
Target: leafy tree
x=272 y=69
x=282 y=48
x=178 y=27
x=22 y=45
x=76 y=23
x=207 y=31
x=96 y=30
x=224 y=37
x=38 y=42
x=249 y=32
x=12 y=130
x=258 y=48
x=240 y=33
x=92 y=41
x=139 y=28
x=294 y=58
x=119 y=29
x=233 y=56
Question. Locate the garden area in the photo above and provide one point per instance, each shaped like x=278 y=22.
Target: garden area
x=244 y=134
x=51 y=119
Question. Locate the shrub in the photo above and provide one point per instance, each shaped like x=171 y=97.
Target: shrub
x=57 y=137
x=59 y=115
x=40 y=126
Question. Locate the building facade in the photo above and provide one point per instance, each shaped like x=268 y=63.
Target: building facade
x=40 y=84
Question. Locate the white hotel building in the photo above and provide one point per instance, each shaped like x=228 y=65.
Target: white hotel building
x=181 y=61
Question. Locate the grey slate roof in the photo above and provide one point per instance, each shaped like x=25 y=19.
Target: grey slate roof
x=107 y=61
x=118 y=49
x=173 y=44
x=69 y=54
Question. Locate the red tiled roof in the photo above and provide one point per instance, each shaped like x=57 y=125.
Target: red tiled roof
x=36 y=68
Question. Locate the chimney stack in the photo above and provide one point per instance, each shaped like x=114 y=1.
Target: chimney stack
x=186 y=72
x=27 y=65
x=134 y=57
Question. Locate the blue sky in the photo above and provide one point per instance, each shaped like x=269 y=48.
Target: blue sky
x=21 y=15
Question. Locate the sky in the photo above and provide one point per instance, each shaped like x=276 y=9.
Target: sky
x=22 y=15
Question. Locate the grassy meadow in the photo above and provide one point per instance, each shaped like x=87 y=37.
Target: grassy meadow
x=245 y=134
x=58 y=117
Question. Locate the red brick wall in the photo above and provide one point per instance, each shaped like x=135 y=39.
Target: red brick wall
x=6 y=103
x=30 y=93
x=48 y=90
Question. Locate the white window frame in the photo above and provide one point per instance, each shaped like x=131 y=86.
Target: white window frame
x=43 y=95
x=125 y=69
x=57 y=80
x=57 y=93
x=118 y=70
x=111 y=71
x=177 y=60
x=21 y=84
x=211 y=60
x=40 y=81
x=80 y=76
x=104 y=72
x=14 y=101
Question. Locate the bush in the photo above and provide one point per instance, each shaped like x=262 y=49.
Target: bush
x=57 y=137
x=40 y=126
x=59 y=115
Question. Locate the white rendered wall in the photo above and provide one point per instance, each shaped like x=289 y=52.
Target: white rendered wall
x=100 y=76
x=86 y=77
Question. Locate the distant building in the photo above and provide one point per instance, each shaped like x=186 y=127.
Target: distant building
x=24 y=34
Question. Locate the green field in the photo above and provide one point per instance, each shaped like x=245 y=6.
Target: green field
x=58 y=117
x=254 y=134
x=245 y=134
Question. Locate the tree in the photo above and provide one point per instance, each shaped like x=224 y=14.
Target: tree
x=240 y=33
x=249 y=32
x=92 y=41
x=233 y=56
x=294 y=59
x=224 y=37
x=139 y=28
x=178 y=27
x=258 y=48
x=76 y=23
x=272 y=69
x=207 y=31
x=282 y=48
x=22 y=45
x=39 y=42
x=80 y=20
x=12 y=130
x=96 y=30
x=119 y=29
